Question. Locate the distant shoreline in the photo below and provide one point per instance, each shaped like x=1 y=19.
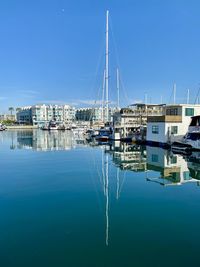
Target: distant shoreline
x=23 y=127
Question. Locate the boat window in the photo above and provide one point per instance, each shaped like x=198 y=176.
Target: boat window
x=193 y=136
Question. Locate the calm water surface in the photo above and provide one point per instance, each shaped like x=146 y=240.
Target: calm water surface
x=66 y=203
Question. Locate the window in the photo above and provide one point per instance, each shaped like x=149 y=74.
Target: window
x=186 y=175
x=155 y=129
x=189 y=112
x=174 y=129
x=172 y=111
x=173 y=160
x=154 y=158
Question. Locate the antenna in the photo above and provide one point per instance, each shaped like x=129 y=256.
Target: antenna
x=117 y=88
x=161 y=99
x=174 y=90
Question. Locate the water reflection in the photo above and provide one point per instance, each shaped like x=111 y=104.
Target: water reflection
x=129 y=157
x=167 y=168
x=118 y=202
x=173 y=169
x=43 y=140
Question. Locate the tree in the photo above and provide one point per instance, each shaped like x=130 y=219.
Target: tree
x=11 y=109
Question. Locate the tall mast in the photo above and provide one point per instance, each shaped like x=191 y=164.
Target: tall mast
x=117 y=88
x=107 y=73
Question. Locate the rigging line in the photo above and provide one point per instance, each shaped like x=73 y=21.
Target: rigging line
x=114 y=42
x=96 y=167
x=118 y=181
x=118 y=62
x=103 y=95
x=107 y=199
x=94 y=184
x=197 y=96
x=100 y=179
x=120 y=189
x=96 y=104
x=103 y=172
x=99 y=61
x=125 y=93
x=171 y=96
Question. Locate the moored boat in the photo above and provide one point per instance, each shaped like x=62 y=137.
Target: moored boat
x=191 y=141
x=2 y=127
x=51 y=126
x=104 y=134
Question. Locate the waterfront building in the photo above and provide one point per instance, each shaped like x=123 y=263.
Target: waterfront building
x=24 y=115
x=7 y=117
x=93 y=114
x=42 y=114
x=127 y=120
x=172 y=125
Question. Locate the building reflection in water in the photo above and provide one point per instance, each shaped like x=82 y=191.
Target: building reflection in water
x=167 y=168
x=159 y=165
x=129 y=157
x=47 y=141
x=174 y=169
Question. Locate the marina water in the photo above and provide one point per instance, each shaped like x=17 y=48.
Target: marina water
x=64 y=202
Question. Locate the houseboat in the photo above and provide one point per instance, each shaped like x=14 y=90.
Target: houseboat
x=130 y=123
x=171 y=126
x=173 y=169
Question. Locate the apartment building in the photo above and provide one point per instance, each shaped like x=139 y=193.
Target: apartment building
x=93 y=114
x=42 y=114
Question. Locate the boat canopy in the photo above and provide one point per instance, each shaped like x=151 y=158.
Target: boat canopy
x=195 y=121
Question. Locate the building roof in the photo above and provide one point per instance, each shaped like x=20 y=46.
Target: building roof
x=143 y=104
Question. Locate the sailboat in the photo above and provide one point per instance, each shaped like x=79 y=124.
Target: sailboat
x=105 y=133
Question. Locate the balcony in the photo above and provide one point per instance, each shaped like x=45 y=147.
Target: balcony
x=165 y=118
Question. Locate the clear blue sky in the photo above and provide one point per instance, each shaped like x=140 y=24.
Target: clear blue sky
x=50 y=49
